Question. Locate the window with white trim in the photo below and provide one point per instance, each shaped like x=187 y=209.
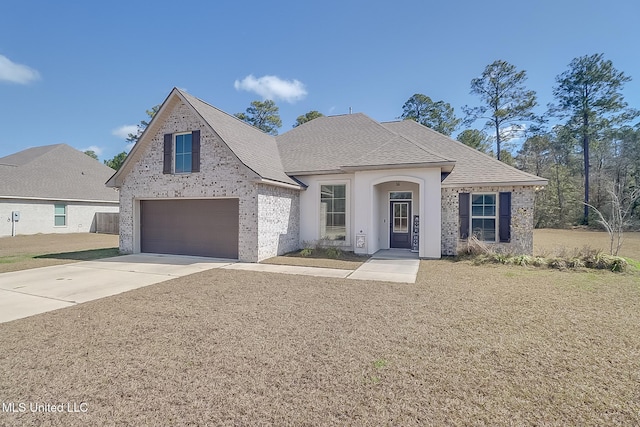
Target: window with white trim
x=60 y=215
x=483 y=217
x=333 y=212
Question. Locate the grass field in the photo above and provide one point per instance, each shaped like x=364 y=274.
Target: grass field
x=42 y=250
x=548 y=241
x=464 y=345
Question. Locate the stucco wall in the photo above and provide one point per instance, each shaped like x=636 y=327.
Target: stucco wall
x=368 y=207
x=278 y=221
x=522 y=205
x=310 y=208
x=372 y=200
x=383 y=208
x=221 y=176
x=37 y=216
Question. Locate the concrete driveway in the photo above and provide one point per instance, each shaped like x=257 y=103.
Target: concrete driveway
x=28 y=292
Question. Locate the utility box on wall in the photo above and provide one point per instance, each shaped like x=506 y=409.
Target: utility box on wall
x=15 y=216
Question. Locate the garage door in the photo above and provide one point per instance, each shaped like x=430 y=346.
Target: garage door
x=190 y=227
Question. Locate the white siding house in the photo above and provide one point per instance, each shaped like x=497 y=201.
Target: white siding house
x=53 y=189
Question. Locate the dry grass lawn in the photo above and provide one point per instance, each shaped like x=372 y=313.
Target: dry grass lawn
x=548 y=241
x=465 y=345
x=42 y=250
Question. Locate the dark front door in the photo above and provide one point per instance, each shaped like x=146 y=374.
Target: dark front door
x=400 y=225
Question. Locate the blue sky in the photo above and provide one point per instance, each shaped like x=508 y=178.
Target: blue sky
x=79 y=71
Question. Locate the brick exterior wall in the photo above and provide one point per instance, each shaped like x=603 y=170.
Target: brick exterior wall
x=221 y=175
x=278 y=221
x=522 y=204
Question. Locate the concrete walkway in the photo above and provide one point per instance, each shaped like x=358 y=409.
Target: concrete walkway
x=28 y=292
x=386 y=265
x=389 y=265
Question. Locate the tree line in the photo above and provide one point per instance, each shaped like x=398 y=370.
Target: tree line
x=586 y=143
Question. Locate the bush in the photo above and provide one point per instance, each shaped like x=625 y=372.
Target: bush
x=306 y=252
x=333 y=253
x=579 y=259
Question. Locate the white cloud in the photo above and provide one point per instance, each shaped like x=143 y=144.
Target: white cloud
x=16 y=73
x=124 y=131
x=129 y=146
x=94 y=148
x=273 y=87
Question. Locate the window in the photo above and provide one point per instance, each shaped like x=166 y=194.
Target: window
x=401 y=217
x=400 y=195
x=60 y=215
x=183 y=153
x=483 y=216
x=333 y=212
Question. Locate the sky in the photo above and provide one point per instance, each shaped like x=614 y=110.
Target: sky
x=84 y=72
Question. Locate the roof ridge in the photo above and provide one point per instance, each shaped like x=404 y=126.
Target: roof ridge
x=420 y=146
x=40 y=150
x=232 y=144
x=186 y=94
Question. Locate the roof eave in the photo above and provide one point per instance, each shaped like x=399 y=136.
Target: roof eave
x=60 y=199
x=315 y=172
x=446 y=166
x=279 y=184
x=136 y=151
x=531 y=183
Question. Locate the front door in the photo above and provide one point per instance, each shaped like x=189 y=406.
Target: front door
x=400 y=225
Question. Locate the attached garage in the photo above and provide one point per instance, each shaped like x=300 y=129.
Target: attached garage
x=198 y=227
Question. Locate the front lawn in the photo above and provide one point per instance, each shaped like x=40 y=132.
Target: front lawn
x=464 y=345
x=42 y=250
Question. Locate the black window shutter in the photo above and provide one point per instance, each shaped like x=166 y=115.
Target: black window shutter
x=463 y=202
x=195 y=151
x=505 y=217
x=168 y=148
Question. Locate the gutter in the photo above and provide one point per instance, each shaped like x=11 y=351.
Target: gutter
x=279 y=184
x=540 y=182
x=54 y=199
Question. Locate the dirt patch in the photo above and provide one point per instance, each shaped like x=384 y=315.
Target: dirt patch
x=481 y=345
x=42 y=250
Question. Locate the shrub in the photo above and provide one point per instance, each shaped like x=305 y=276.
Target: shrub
x=576 y=263
x=539 y=262
x=334 y=253
x=585 y=258
x=558 y=263
x=306 y=252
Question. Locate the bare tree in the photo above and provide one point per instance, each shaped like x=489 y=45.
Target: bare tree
x=621 y=207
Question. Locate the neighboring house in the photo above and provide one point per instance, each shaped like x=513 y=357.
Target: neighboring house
x=53 y=189
x=201 y=182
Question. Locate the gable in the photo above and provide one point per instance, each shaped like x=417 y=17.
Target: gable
x=252 y=148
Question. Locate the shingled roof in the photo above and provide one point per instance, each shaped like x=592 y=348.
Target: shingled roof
x=353 y=141
x=340 y=144
x=54 y=172
x=256 y=149
x=472 y=166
